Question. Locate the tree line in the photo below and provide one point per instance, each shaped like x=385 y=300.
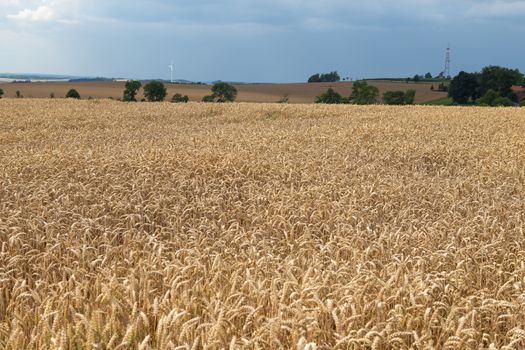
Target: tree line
x=331 y=77
x=155 y=91
x=364 y=94
x=490 y=87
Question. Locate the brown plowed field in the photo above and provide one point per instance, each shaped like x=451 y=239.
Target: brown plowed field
x=297 y=93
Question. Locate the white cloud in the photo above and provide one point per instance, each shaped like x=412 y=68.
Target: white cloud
x=41 y=13
x=43 y=10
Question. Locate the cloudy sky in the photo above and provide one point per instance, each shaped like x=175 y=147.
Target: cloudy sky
x=258 y=40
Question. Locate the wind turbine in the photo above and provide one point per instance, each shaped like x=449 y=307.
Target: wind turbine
x=171 y=67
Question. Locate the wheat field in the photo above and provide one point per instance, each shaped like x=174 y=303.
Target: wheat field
x=260 y=226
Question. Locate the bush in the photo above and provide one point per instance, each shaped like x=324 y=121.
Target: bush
x=502 y=102
x=330 y=97
x=489 y=98
x=394 y=98
x=522 y=103
x=410 y=97
x=130 y=90
x=178 y=98
x=52 y=95
x=18 y=94
x=1 y=93
x=364 y=94
x=224 y=92
x=73 y=94
x=399 y=97
x=208 y=98
x=155 y=91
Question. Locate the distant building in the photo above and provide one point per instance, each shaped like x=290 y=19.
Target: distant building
x=519 y=91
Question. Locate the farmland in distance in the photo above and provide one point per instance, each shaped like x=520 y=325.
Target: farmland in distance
x=267 y=93
x=260 y=226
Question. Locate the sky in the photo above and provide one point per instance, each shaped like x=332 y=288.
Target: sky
x=258 y=40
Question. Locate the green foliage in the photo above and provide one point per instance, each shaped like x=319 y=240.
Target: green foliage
x=503 y=102
x=494 y=99
x=224 y=92
x=52 y=95
x=1 y=93
x=464 y=87
x=364 y=94
x=491 y=83
x=155 y=91
x=417 y=78
x=394 y=98
x=331 y=77
x=499 y=79
x=410 y=97
x=329 y=97
x=130 y=90
x=399 y=97
x=178 y=98
x=522 y=103
x=72 y=93
x=208 y=98
x=428 y=76
x=18 y=94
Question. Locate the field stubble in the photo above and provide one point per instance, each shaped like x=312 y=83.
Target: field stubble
x=160 y=226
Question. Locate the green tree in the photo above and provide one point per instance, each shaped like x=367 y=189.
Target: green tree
x=428 y=76
x=399 y=97
x=130 y=90
x=499 y=79
x=489 y=98
x=364 y=94
x=417 y=78
x=178 y=98
x=72 y=93
x=331 y=77
x=410 y=97
x=155 y=91
x=224 y=92
x=329 y=97
x=464 y=87
x=394 y=98
x=1 y=93
x=316 y=78
x=208 y=98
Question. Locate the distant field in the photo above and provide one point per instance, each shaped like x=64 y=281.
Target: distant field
x=298 y=93
x=260 y=226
